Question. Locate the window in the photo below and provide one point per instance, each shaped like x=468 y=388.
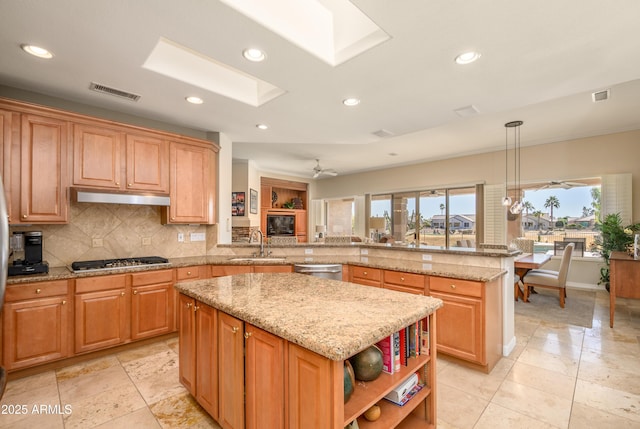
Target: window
x=561 y=211
x=438 y=217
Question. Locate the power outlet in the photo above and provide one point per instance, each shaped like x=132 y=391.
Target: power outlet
x=146 y=241
x=308 y=251
x=97 y=242
x=180 y=237
x=426 y=257
x=197 y=236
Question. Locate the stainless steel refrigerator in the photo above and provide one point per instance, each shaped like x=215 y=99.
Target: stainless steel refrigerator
x=4 y=262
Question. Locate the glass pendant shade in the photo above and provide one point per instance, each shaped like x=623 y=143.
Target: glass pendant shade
x=506 y=201
x=516 y=208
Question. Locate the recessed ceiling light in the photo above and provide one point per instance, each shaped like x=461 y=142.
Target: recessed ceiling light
x=467 y=57
x=194 y=100
x=262 y=126
x=254 y=54
x=37 y=51
x=351 y=102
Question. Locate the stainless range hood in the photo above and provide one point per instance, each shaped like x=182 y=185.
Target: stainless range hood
x=83 y=195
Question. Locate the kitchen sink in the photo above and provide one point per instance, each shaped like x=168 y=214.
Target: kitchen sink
x=257 y=259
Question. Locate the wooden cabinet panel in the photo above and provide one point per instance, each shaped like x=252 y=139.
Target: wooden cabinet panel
x=192 y=184
x=102 y=316
x=43 y=170
x=187 y=343
x=404 y=282
x=264 y=369
x=313 y=386
x=36 y=330
x=97 y=156
x=147 y=163
x=365 y=276
x=207 y=358
x=229 y=270
x=457 y=286
x=273 y=269
x=190 y=273
x=152 y=310
x=460 y=330
x=231 y=372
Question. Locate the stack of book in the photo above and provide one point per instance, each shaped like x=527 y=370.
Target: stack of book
x=400 y=346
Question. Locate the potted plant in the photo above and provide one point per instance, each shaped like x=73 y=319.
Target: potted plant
x=615 y=237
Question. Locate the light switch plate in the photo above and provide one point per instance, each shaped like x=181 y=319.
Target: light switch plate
x=198 y=236
x=426 y=257
x=308 y=251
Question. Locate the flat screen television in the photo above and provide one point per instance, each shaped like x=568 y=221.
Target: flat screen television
x=281 y=224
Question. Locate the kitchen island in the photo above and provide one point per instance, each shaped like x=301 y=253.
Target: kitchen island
x=282 y=339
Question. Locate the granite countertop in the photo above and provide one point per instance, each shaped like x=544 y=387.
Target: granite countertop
x=463 y=272
x=332 y=318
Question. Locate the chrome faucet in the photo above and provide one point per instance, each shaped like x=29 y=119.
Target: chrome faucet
x=261 y=240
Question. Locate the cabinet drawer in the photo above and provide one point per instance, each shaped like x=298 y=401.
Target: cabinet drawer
x=152 y=277
x=404 y=279
x=36 y=290
x=366 y=273
x=457 y=286
x=229 y=270
x=188 y=273
x=93 y=284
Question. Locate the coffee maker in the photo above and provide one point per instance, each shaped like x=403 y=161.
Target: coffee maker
x=26 y=248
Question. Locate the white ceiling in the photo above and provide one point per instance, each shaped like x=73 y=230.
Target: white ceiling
x=540 y=63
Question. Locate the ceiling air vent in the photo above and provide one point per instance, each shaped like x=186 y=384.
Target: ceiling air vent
x=383 y=133
x=600 y=96
x=113 y=91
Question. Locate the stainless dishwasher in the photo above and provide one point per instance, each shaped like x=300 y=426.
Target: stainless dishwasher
x=325 y=271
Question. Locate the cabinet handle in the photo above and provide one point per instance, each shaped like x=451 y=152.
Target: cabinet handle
x=401 y=279
x=24 y=216
x=453 y=286
x=247 y=334
x=38 y=291
x=129 y=185
x=364 y=273
x=135 y=292
x=188 y=273
x=234 y=329
x=195 y=308
x=173 y=218
x=64 y=301
x=121 y=293
x=188 y=305
x=117 y=183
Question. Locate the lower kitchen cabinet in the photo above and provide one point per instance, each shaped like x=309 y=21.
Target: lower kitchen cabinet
x=470 y=322
x=36 y=324
x=102 y=312
x=365 y=276
x=264 y=372
x=404 y=282
x=152 y=304
x=230 y=371
x=198 y=354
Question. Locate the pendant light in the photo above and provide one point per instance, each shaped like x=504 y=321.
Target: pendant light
x=516 y=207
x=506 y=201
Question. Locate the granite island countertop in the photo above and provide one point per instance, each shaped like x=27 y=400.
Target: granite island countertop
x=332 y=318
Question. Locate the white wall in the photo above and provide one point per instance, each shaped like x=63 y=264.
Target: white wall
x=224 y=189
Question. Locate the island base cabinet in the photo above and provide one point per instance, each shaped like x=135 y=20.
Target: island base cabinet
x=230 y=372
x=316 y=390
x=265 y=375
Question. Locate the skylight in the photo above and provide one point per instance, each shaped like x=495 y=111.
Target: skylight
x=333 y=30
x=178 y=62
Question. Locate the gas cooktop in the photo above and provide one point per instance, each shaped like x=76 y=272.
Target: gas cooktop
x=112 y=264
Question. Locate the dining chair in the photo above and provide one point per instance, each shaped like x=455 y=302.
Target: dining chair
x=549 y=278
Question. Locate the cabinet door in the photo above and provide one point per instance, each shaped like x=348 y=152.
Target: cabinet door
x=147 y=164
x=35 y=331
x=231 y=371
x=207 y=358
x=187 y=340
x=191 y=190
x=315 y=390
x=460 y=329
x=43 y=170
x=301 y=225
x=97 y=156
x=101 y=319
x=365 y=276
x=152 y=310
x=264 y=369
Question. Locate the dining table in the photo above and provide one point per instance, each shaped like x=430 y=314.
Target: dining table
x=525 y=263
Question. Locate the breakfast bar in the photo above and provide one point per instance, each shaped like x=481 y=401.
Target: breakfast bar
x=250 y=328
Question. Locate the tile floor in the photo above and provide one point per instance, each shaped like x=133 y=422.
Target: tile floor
x=559 y=376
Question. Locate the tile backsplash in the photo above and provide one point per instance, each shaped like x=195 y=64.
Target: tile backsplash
x=105 y=231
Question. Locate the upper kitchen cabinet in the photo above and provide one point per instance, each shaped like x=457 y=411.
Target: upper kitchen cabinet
x=99 y=160
x=192 y=172
x=43 y=170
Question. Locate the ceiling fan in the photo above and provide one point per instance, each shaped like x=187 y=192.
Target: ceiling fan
x=432 y=194
x=560 y=184
x=318 y=171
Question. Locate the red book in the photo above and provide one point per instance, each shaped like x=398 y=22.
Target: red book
x=386 y=346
